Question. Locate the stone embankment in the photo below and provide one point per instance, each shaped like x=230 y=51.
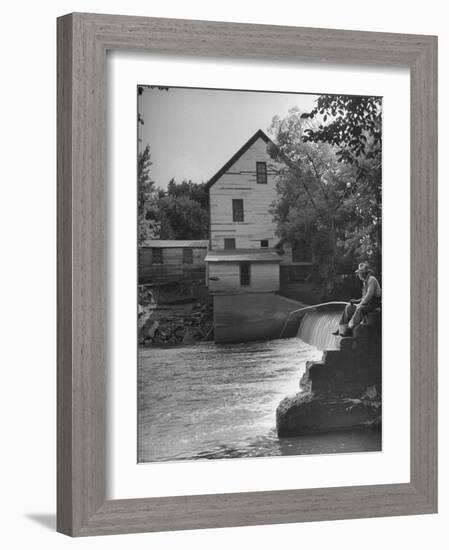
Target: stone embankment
x=182 y=320
x=342 y=391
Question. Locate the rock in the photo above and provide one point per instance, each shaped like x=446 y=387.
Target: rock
x=144 y=315
x=174 y=311
x=345 y=342
x=152 y=329
x=342 y=391
x=147 y=330
x=371 y=393
x=188 y=337
x=308 y=413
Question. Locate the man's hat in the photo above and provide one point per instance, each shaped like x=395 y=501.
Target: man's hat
x=363 y=268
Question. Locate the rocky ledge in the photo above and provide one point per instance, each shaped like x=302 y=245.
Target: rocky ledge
x=176 y=324
x=174 y=313
x=342 y=391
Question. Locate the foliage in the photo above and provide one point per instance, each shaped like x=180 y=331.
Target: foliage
x=329 y=198
x=180 y=212
x=183 y=212
x=354 y=127
x=195 y=191
x=148 y=227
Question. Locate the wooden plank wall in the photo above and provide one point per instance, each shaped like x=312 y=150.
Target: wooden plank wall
x=172 y=267
x=239 y=182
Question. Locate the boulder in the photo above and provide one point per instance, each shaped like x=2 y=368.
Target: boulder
x=342 y=391
x=188 y=337
x=309 y=413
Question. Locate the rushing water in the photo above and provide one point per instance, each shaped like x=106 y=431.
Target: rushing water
x=317 y=326
x=219 y=401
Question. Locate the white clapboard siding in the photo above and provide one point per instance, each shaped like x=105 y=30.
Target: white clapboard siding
x=239 y=182
x=263 y=277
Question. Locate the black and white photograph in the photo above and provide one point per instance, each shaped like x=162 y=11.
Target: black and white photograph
x=259 y=273
x=220 y=307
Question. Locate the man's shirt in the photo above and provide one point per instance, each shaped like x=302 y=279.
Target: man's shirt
x=371 y=289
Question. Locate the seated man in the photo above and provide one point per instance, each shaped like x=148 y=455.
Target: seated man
x=370 y=300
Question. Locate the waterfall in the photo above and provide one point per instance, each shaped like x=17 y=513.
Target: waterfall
x=317 y=326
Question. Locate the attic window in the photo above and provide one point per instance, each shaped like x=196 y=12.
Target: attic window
x=264 y=243
x=261 y=172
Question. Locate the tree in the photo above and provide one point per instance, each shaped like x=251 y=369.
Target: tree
x=310 y=195
x=323 y=197
x=354 y=128
x=194 y=191
x=148 y=227
x=182 y=211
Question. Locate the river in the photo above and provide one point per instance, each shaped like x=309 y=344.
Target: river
x=211 y=401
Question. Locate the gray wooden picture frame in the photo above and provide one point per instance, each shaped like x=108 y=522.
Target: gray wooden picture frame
x=83 y=40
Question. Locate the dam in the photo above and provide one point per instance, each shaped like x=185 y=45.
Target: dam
x=343 y=389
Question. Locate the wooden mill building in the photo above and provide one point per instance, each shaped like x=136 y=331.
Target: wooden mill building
x=245 y=253
x=245 y=257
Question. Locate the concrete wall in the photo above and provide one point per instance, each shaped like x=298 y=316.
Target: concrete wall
x=263 y=277
x=254 y=316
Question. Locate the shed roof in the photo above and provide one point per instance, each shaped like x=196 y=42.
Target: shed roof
x=243 y=255
x=160 y=243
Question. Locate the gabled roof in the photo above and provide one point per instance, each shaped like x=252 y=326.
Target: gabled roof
x=161 y=243
x=243 y=255
x=259 y=134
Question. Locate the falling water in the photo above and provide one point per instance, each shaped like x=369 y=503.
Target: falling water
x=317 y=326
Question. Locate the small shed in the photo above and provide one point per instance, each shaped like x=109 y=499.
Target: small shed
x=243 y=270
x=172 y=260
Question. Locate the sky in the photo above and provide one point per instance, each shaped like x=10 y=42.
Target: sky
x=192 y=132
